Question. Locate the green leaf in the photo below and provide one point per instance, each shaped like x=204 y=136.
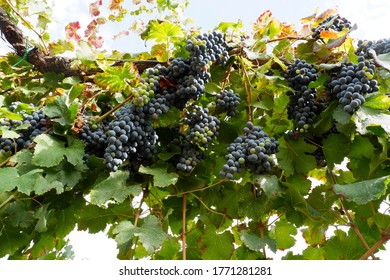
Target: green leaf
x=75 y=91
x=364 y=191
x=256 y=243
x=12 y=179
x=12 y=238
x=336 y=147
x=49 y=151
x=150 y=233
x=42 y=216
x=8 y=177
x=361 y=147
x=163 y=32
x=216 y=246
x=160 y=174
x=315 y=234
x=269 y=184
x=113 y=187
x=60 y=111
x=292 y=156
x=367 y=117
x=377 y=101
x=94 y=219
x=124 y=232
x=6 y=133
x=341 y=116
x=117 y=78
x=343 y=247
x=282 y=232
x=19 y=215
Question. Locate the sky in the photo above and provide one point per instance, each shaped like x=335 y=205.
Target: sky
x=371 y=17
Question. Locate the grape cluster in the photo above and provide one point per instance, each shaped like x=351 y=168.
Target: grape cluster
x=149 y=84
x=333 y=22
x=32 y=126
x=202 y=126
x=300 y=74
x=190 y=156
x=189 y=75
x=251 y=151
x=95 y=138
x=303 y=105
x=351 y=83
x=227 y=101
x=130 y=137
x=381 y=46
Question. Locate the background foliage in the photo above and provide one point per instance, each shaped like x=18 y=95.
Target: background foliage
x=160 y=212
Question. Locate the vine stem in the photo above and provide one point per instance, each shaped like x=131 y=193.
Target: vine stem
x=355 y=228
x=28 y=25
x=183 y=228
x=11 y=197
x=383 y=240
x=350 y=219
x=106 y=115
x=135 y=239
x=199 y=190
x=248 y=90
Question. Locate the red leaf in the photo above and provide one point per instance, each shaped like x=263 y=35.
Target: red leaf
x=94 y=8
x=71 y=31
x=91 y=28
x=96 y=41
x=115 y=5
x=121 y=34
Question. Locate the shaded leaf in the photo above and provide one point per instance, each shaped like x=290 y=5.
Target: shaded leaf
x=367 y=118
x=364 y=191
x=336 y=147
x=256 y=243
x=216 y=246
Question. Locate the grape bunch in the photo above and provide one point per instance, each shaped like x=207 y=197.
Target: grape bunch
x=381 y=46
x=251 y=151
x=189 y=157
x=303 y=105
x=149 y=84
x=351 y=83
x=94 y=137
x=130 y=137
x=227 y=101
x=300 y=74
x=333 y=22
x=303 y=108
x=32 y=126
x=202 y=127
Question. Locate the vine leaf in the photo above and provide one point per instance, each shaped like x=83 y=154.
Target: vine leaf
x=163 y=32
x=50 y=151
x=150 y=233
x=282 y=232
x=117 y=78
x=361 y=147
x=60 y=111
x=364 y=191
x=378 y=101
x=256 y=243
x=160 y=174
x=269 y=184
x=94 y=219
x=25 y=183
x=292 y=156
x=314 y=234
x=335 y=147
x=367 y=117
x=113 y=187
x=216 y=246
